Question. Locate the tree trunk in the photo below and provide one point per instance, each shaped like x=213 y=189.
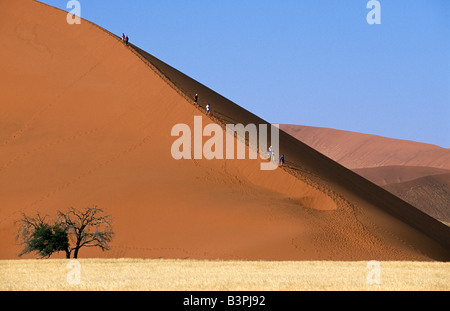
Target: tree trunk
x=67 y=253
x=77 y=246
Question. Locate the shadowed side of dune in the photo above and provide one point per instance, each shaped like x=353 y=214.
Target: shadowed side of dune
x=430 y=193
x=387 y=175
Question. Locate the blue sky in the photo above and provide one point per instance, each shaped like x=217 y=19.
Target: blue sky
x=308 y=62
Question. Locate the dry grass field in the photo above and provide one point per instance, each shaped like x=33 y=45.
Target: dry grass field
x=193 y=275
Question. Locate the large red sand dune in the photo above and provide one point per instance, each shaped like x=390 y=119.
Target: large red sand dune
x=87 y=121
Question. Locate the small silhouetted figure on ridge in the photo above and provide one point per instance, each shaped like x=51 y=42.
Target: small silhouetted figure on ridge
x=196 y=99
x=123 y=37
x=126 y=40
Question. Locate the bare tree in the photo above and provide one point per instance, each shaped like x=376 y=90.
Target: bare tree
x=87 y=228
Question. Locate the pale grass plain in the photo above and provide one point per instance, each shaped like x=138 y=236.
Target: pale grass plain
x=197 y=275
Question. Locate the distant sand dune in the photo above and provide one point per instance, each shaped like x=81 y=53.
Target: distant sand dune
x=357 y=150
x=407 y=169
x=430 y=191
x=386 y=175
